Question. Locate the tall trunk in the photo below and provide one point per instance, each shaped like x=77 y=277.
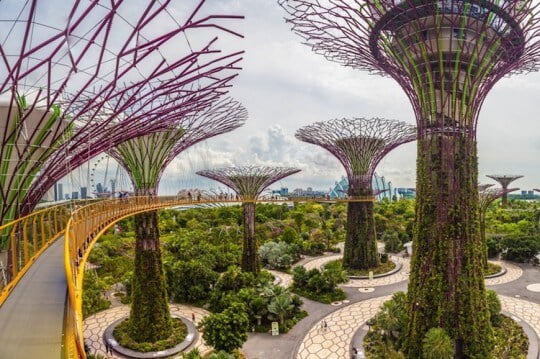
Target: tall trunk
x=446 y=287
x=483 y=238
x=150 y=319
x=360 y=250
x=250 y=257
x=504 y=198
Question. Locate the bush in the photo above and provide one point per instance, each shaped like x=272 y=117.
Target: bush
x=494 y=246
x=278 y=255
x=93 y=300
x=227 y=330
x=392 y=242
x=320 y=285
x=179 y=332
x=189 y=282
x=521 y=249
x=193 y=354
x=437 y=345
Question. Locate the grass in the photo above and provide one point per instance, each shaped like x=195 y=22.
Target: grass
x=179 y=333
x=492 y=268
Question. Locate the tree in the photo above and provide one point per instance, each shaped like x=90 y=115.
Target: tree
x=226 y=330
x=281 y=306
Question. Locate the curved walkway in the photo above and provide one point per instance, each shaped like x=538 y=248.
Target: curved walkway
x=513 y=272
x=334 y=342
x=95 y=325
x=32 y=317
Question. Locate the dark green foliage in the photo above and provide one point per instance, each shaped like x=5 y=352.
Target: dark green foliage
x=93 y=300
x=192 y=354
x=510 y=340
x=392 y=242
x=191 y=281
x=494 y=246
x=149 y=319
x=446 y=287
x=320 y=285
x=361 y=242
x=226 y=330
x=521 y=248
x=437 y=345
x=178 y=334
x=494 y=307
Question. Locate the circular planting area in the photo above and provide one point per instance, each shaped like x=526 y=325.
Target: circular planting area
x=183 y=335
x=384 y=269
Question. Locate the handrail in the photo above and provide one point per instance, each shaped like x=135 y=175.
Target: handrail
x=28 y=237
x=85 y=227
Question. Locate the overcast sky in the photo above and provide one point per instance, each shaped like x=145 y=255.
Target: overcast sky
x=285 y=86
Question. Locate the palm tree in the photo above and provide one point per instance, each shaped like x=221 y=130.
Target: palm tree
x=281 y=305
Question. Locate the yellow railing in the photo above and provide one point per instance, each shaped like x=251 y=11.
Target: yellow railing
x=88 y=223
x=27 y=237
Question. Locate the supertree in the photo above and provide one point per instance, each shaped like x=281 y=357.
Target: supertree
x=359 y=144
x=446 y=55
x=249 y=182
x=504 y=181
x=145 y=158
x=103 y=88
x=486 y=196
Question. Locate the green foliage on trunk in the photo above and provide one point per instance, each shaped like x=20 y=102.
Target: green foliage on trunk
x=149 y=320
x=446 y=286
x=361 y=241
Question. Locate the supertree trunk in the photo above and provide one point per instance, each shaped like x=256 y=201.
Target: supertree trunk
x=149 y=319
x=483 y=239
x=250 y=257
x=360 y=250
x=446 y=286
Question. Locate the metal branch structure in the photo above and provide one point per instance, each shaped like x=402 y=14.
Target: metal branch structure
x=359 y=144
x=249 y=182
x=486 y=197
x=146 y=157
x=82 y=78
x=446 y=55
x=504 y=181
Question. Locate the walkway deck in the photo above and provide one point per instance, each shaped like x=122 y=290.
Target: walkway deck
x=31 y=319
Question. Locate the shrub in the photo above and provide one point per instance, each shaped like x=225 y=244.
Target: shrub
x=193 y=354
x=179 y=332
x=227 y=330
x=521 y=249
x=278 y=255
x=494 y=246
x=93 y=300
x=437 y=345
x=190 y=282
x=320 y=285
x=392 y=242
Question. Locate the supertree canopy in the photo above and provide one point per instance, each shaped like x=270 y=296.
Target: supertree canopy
x=249 y=182
x=446 y=55
x=145 y=158
x=359 y=144
x=504 y=181
x=486 y=196
x=87 y=76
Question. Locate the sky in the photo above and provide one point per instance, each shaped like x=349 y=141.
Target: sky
x=284 y=86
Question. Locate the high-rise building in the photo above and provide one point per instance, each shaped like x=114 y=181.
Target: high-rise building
x=84 y=193
x=75 y=195
x=59 y=192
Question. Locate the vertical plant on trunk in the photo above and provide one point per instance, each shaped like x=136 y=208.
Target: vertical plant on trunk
x=249 y=182
x=446 y=55
x=359 y=144
x=145 y=158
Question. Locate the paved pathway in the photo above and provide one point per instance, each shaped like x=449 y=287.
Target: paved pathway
x=32 y=317
x=400 y=276
x=513 y=272
x=334 y=342
x=285 y=278
x=95 y=325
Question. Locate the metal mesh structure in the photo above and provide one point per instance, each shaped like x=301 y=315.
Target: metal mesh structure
x=358 y=143
x=146 y=157
x=248 y=181
x=504 y=181
x=446 y=81
x=90 y=75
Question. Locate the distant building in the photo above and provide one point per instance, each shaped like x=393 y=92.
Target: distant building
x=402 y=192
x=113 y=186
x=75 y=195
x=308 y=192
x=99 y=188
x=341 y=188
x=58 y=192
x=84 y=193
x=66 y=196
x=283 y=191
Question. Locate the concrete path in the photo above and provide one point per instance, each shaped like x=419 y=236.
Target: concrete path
x=32 y=317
